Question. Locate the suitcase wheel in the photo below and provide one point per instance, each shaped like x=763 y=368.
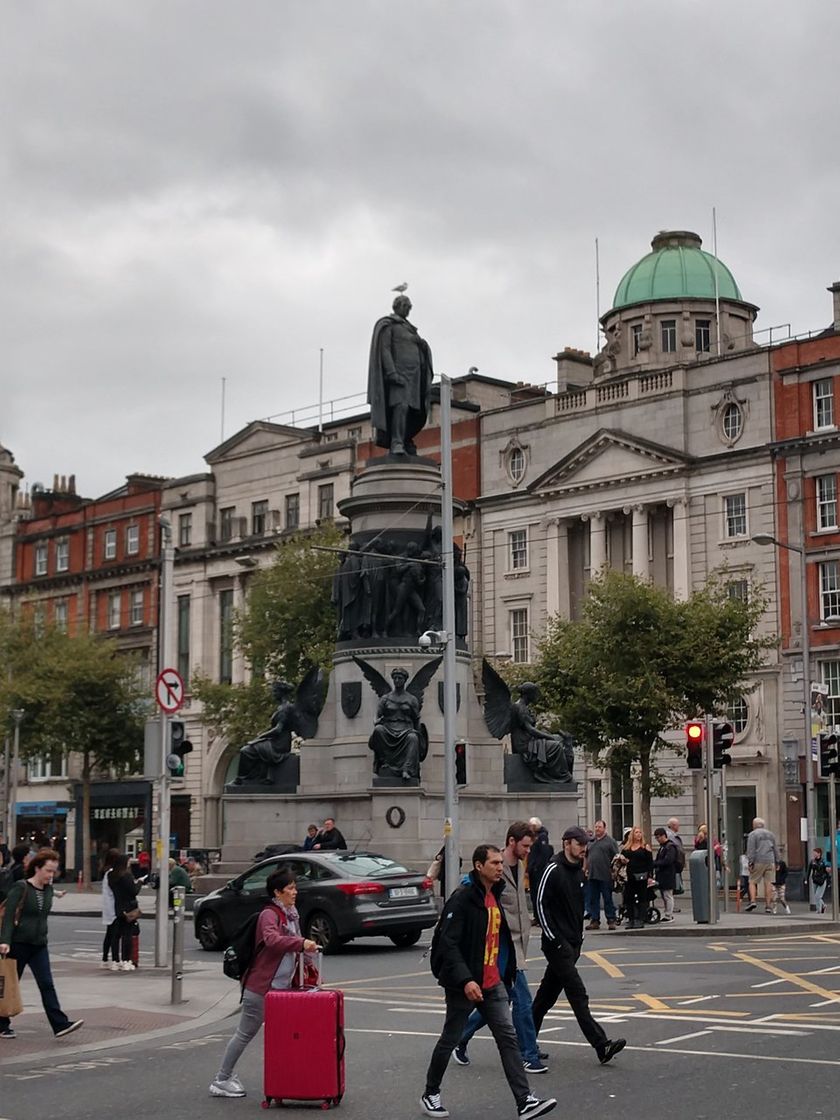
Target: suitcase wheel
x=266 y=1103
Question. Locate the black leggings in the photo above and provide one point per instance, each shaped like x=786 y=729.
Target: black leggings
x=126 y=931
x=110 y=943
x=636 y=899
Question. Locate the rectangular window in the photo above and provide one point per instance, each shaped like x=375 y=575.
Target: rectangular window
x=518 y=549
x=827 y=501
x=225 y=637
x=41 y=554
x=668 y=329
x=110 y=549
x=52 y=765
x=184 y=530
x=62 y=556
x=60 y=614
x=184 y=637
x=829 y=671
x=830 y=589
x=137 y=607
x=735 y=515
x=226 y=523
x=354 y=433
x=519 y=635
x=326 y=501
x=823 y=404
x=259 y=513
x=621 y=790
x=636 y=339
x=739 y=589
x=703 y=336
x=114 y=607
x=293 y=511
x=132 y=540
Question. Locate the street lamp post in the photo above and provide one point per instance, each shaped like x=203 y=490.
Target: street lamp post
x=12 y=780
x=810 y=812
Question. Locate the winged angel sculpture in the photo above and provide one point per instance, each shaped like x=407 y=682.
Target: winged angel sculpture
x=261 y=757
x=550 y=758
x=399 y=741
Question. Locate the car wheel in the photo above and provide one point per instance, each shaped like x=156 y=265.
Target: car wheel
x=407 y=939
x=208 y=931
x=321 y=928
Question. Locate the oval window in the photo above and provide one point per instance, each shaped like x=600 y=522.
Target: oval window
x=733 y=422
x=516 y=464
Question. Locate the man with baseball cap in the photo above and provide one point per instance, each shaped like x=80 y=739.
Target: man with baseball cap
x=560 y=913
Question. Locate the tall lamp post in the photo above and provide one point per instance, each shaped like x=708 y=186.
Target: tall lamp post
x=810 y=811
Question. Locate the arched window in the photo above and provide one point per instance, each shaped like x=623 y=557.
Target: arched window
x=738 y=714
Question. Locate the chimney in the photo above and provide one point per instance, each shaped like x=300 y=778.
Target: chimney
x=71 y=484
x=835 y=291
x=55 y=483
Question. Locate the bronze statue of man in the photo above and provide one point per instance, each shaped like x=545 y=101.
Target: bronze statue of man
x=399 y=380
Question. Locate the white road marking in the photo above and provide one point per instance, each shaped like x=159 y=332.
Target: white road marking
x=696 y=999
x=759 y=1030
x=681 y=1038
x=770 y=983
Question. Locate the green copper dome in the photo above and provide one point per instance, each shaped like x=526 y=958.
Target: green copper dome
x=676 y=269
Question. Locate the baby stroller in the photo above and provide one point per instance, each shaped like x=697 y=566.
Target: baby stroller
x=619 y=870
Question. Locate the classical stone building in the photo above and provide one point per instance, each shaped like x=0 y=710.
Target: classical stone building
x=651 y=458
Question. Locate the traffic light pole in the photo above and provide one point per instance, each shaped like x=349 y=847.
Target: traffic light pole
x=724 y=843
x=832 y=839
x=162 y=845
x=452 y=845
x=710 y=819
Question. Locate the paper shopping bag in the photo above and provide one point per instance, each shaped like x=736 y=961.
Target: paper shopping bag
x=10 y=1001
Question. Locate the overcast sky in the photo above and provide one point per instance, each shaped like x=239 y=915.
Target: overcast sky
x=194 y=190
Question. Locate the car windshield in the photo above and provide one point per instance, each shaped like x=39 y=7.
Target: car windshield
x=370 y=867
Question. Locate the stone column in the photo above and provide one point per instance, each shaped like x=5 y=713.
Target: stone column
x=682 y=573
x=641 y=564
x=238 y=661
x=552 y=566
x=597 y=543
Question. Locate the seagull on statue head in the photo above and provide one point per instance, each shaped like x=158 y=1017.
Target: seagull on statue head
x=401 y=287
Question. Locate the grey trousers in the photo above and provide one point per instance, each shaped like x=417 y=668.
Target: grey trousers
x=497 y=1015
x=250 y=1022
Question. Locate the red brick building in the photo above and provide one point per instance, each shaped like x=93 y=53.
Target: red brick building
x=806 y=408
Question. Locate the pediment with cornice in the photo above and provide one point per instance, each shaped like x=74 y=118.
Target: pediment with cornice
x=609 y=457
x=259 y=435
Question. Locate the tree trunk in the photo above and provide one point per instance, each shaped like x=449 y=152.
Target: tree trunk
x=86 y=821
x=644 y=789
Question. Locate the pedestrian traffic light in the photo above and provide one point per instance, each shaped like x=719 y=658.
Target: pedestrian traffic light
x=723 y=736
x=179 y=745
x=829 y=756
x=460 y=764
x=695 y=733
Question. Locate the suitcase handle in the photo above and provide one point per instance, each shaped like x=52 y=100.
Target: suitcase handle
x=342 y=1043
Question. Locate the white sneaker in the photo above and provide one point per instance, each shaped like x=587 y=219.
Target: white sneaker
x=230 y=1088
x=127 y=966
x=114 y=966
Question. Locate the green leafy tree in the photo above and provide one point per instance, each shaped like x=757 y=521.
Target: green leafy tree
x=79 y=696
x=287 y=625
x=638 y=662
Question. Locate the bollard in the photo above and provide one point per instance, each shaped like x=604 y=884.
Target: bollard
x=178 y=898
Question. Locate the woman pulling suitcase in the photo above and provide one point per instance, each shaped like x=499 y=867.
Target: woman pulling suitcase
x=278 y=942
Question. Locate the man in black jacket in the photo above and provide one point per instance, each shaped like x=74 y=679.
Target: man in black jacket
x=473 y=958
x=329 y=839
x=560 y=913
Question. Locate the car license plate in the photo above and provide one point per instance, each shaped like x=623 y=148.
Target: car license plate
x=403 y=892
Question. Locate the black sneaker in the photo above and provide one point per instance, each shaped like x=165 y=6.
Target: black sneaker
x=750 y=906
x=609 y=1049
x=8 y=1033
x=432 y=1106
x=532 y=1106
x=460 y=1056
x=69 y=1028
x=535 y=1067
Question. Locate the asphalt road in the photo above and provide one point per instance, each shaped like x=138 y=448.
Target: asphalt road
x=746 y=1026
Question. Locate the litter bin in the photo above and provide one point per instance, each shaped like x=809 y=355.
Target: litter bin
x=699 y=873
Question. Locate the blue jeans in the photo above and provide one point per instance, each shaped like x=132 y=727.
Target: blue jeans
x=38 y=959
x=523 y=1019
x=596 y=890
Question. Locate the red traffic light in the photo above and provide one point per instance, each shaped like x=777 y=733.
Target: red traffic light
x=695 y=733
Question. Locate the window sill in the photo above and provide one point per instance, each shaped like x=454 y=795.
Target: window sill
x=829 y=530
x=517 y=573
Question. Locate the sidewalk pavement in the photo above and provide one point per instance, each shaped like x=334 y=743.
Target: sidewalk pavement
x=88 y=904
x=119 y=1008
x=733 y=924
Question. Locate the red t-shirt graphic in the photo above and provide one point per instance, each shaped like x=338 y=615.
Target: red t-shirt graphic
x=491 y=975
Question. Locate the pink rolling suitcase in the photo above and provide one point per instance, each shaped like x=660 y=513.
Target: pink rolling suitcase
x=304 y=1047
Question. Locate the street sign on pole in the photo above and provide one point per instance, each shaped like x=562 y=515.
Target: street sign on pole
x=169 y=690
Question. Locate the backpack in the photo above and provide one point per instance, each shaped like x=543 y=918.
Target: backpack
x=819 y=873
x=680 y=857
x=239 y=955
x=436 y=959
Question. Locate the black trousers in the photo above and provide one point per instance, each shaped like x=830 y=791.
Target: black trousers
x=636 y=899
x=561 y=975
